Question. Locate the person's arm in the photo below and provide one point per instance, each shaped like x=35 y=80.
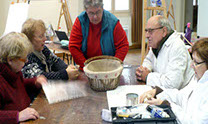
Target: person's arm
x=184 y=117
x=31 y=88
x=182 y=112
x=14 y=116
x=120 y=41
x=149 y=59
x=75 y=44
x=29 y=82
x=173 y=75
x=8 y=116
x=178 y=96
x=150 y=94
x=31 y=70
x=34 y=68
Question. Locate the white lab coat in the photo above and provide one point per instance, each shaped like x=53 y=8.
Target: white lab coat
x=171 y=69
x=190 y=104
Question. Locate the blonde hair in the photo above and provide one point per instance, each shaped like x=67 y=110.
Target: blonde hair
x=14 y=45
x=30 y=26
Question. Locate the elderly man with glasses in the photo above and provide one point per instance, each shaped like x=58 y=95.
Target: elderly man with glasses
x=167 y=63
x=97 y=32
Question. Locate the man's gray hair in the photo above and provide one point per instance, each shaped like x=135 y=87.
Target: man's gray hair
x=164 y=22
x=93 y=3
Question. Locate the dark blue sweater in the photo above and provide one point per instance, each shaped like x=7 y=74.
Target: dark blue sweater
x=56 y=66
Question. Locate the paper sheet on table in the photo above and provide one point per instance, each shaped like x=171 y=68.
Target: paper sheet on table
x=57 y=91
x=117 y=97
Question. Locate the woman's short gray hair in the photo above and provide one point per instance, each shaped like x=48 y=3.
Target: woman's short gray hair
x=14 y=45
x=93 y=3
x=164 y=22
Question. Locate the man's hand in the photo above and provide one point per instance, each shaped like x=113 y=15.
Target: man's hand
x=141 y=73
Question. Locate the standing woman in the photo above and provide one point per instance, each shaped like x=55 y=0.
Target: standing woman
x=14 y=89
x=190 y=104
x=97 y=32
x=42 y=60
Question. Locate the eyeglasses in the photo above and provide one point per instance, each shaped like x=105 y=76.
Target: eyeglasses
x=150 y=30
x=197 y=63
x=92 y=14
x=23 y=60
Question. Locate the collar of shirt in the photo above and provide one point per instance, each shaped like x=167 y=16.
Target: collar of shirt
x=156 y=51
x=204 y=78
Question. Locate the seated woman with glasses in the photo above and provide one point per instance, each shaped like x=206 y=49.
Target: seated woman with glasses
x=42 y=60
x=14 y=89
x=190 y=103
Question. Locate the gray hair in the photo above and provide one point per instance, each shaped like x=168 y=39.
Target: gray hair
x=93 y=3
x=164 y=22
x=14 y=45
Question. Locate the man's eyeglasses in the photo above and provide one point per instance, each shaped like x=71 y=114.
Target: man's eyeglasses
x=197 y=63
x=92 y=14
x=150 y=30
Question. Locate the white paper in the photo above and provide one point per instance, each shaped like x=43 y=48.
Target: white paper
x=117 y=97
x=57 y=91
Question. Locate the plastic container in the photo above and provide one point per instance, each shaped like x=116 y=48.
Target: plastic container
x=156 y=112
x=167 y=109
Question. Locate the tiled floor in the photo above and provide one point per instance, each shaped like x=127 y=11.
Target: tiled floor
x=133 y=57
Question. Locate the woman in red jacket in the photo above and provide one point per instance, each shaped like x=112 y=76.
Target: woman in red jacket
x=97 y=32
x=14 y=89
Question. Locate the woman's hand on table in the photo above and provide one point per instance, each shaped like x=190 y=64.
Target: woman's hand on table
x=72 y=72
x=28 y=113
x=147 y=96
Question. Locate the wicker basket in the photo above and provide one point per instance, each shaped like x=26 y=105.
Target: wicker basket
x=103 y=72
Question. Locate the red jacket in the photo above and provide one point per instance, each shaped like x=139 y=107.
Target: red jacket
x=13 y=94
x=93 y=42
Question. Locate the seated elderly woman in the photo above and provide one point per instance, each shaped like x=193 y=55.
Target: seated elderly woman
x=42 y=60
x=190 y=103
x=14 y=89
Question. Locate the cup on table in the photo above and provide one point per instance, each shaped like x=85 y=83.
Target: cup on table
x=131 y=99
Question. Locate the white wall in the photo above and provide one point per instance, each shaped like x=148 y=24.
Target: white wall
x=126 y=24
x=202 y=23
x=179 y=12
x=179 y=8
x=49 y=11
x=4 y=8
